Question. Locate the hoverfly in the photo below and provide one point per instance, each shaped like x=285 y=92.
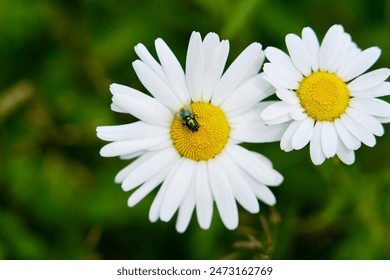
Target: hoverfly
x=188 y=118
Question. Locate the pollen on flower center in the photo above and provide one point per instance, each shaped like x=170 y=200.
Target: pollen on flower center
x=210 y=137
x=324 y=96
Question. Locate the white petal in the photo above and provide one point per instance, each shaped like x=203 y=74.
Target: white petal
x=369 y=80
x=367 y=121
x=186 y=209
x=177 y=189
x=195 y=66
x=359 y=64
x=129 y=168
x=223 y=194
x=288 y=96
x=254 y=166
x=264 y=159
x=211 y=44
x=248 y=127
x=161 y=146
x=257 y=132
x=248 y=94
x=298 y=114
x=148 y=168
x=265 y=195
x=130 y=131
x=354 y=51
x=345 y=136
x=129 y=146
x=246 y=65
x=329 y=45
x=303 y=134
x=283 y=62
x=358 y=131
x=156 y=204
x=157 y=87
x=316 y=154
x=261 y=191
x=158 y=200
x=310 y=40
x=384 y=120
x=346 y=155
x=341 y=53
x=280 y=120
x=172 y=70
x=382 y=89
x=132 y=155
x=241 y=190
x=215 y=59
x=371 y=106
x=140 y=105
x=299 y=54
x=278 y=78
x=149 y=60
x=329 y=139
x=204 y=198
x=277 y=110
x=251 y=114
x=116 y=108
x=148 y=186
x=286 y=141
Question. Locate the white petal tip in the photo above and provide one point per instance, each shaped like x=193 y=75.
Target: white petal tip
x=165 y=216
x=278 y=178
x=255 y=209
x=114 y=85
x=271 y=203
x=204 y=227
x=130 y=203
x=231 y=227
x=204 y=222
x=138 y=47
x=318 y=162
x=290 y=36
x=125 y=189
x=371 y=145
x=307 y=29
x=136 y=63
x=153 y=219
x=377 y=50
x=195 y=33
x=180 y=230
x=257 y=45
x=104 y=153
x=265 y=116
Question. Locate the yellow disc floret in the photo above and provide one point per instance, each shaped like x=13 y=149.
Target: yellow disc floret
x=324 y=96
x=208 y=139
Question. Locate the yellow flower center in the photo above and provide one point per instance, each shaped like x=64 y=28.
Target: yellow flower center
x=324 y=96
x=205 y=141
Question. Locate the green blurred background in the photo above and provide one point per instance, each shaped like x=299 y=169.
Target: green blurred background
x=58 y=199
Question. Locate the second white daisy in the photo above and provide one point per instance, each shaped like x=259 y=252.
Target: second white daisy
x=325 y=99
x=187 y=136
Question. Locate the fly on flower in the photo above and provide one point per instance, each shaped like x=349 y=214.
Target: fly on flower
x=195 y=159
x=324 y=96
x=188 y=118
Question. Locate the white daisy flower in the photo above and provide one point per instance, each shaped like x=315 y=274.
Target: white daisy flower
x=188 y=133
x=325 y=97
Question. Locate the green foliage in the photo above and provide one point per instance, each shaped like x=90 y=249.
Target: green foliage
x=58 y=199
